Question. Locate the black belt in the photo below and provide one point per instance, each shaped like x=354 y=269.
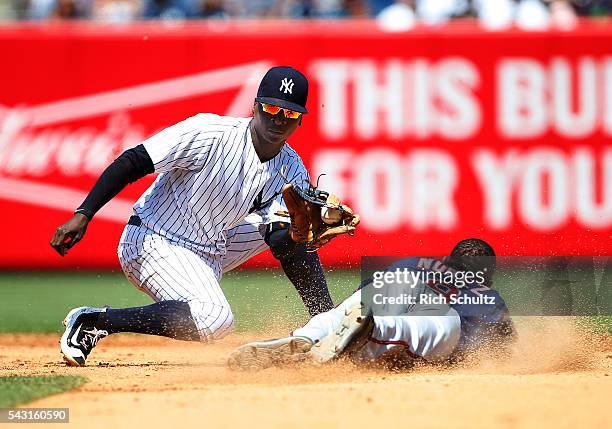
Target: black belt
x=135 y=220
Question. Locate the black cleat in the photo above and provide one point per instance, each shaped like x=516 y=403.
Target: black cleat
x=81 y=334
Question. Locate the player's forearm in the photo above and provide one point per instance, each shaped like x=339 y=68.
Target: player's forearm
x=130 y=166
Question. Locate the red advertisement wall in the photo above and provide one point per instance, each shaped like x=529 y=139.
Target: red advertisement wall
x=432 y=136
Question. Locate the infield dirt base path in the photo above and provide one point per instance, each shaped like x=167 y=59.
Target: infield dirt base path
x=138 y=381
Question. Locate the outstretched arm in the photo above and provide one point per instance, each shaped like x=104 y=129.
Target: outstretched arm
x=130 y=166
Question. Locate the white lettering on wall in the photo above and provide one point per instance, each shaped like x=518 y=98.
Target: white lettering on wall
x=543 y=188
x=398 y=99
x=571 y=98
x=389 y=189
x=520 y=98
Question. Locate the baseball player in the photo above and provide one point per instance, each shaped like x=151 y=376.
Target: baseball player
x=426 y=327
x=211 y=208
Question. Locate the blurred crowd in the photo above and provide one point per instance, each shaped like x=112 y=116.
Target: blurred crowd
x=394 y=14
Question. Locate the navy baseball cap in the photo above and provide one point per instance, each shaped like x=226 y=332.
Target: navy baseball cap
x=284 y=86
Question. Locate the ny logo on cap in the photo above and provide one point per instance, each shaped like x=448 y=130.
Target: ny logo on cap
x=286 y=86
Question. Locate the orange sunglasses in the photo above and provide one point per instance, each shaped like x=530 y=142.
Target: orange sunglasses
x=273 y=110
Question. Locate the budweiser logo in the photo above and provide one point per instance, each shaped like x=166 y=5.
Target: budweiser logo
x=25 y=150
x=35 y=141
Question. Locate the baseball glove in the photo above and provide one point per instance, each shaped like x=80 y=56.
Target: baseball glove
x=316 y=216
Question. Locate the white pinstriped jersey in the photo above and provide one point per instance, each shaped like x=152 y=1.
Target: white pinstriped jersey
x=211 y=179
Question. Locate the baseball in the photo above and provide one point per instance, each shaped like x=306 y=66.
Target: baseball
x=330 y=216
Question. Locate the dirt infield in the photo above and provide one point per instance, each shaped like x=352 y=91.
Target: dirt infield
x=559 y=377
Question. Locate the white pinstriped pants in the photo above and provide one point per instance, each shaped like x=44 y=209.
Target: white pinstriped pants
x=166 y=271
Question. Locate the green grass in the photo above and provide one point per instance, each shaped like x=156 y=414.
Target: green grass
x=260 y=300
x=15 y=390
x=600 y=324
x=38 y=301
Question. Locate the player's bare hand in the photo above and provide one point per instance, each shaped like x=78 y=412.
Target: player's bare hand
x=69 y=233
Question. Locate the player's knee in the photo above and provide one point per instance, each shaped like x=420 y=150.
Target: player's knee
x=213 y=320
x=225 y=325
